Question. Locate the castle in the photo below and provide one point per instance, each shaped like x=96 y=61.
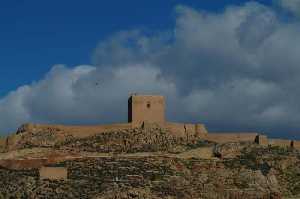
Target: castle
x=150 y=110
x=143 y=111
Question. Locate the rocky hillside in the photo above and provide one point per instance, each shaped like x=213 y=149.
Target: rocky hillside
x=150 y=138
x=151 y=163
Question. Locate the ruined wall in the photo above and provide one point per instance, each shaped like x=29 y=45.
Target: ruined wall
x=146 y=108
x=184 y=130
x=76 y=131
x=280 y=142
x=86 y=131
x=49 y=135
x=231 y=137
x=53 y=173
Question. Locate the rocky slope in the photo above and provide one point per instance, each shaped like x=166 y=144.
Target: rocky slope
x=151 y=163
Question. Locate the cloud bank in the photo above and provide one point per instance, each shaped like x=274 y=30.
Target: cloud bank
x=293 y=6
x=233 y=70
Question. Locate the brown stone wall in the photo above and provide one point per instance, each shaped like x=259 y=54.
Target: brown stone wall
x=183 y=130
x=146 y=108
x=49 y=135
x=76 y=131
x=53 y=173
x=86 y=131
x=280 y=142
x=231 y=137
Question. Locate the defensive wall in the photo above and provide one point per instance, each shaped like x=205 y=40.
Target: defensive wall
x=144 y=109
x=280 y=142
x=186 y=130
x=76 y=131
x=231 y=137
x=263 y=140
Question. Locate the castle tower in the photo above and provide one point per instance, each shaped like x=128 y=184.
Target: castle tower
x=146 y=108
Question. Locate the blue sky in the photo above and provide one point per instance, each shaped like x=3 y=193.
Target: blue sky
x=233 y=65
x=35 y=35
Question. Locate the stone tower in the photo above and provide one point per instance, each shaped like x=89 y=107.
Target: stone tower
x=146 y=108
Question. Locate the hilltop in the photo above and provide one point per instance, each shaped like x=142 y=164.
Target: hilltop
x=145 y=162
x=146 y=158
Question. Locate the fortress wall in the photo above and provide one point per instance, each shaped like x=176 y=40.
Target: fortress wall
x=296 y=144
x=185 y=130
x=53 y=173
x=83 y=131
x=59 y=133
x=280 y=142
x=231 y=137
x=176 y=128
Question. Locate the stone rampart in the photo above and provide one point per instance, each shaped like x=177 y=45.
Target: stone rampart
x=84 y=131
x=38 y=135
x=231 y=137
x=53 y=173
x=186 y=130
x=280 y=142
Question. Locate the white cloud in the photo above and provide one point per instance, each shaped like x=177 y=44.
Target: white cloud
x=80 y=95
x=292 y=6
x=234 y=70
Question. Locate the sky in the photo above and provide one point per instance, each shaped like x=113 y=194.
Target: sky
x=233 y=65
